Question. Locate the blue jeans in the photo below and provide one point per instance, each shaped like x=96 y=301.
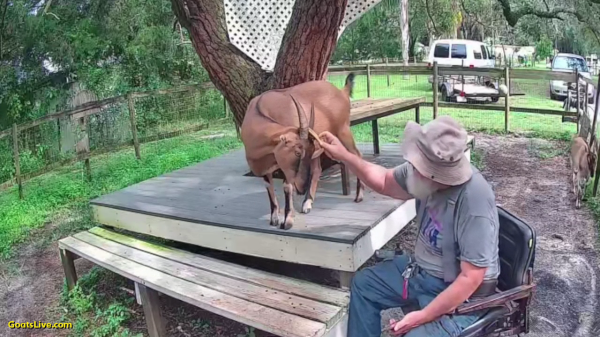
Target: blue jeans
x=379 y=287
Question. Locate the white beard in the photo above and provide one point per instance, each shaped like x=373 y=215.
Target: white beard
x=419 y=188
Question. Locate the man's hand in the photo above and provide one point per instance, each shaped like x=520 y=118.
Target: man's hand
x=409 y=322
x=333 y=147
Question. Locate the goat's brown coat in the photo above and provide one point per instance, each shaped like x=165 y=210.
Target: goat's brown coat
x=583 y=165
x=272 y=137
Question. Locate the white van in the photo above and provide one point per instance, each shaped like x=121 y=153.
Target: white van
x=457 y=52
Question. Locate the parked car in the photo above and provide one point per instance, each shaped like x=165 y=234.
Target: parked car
x=564 y=62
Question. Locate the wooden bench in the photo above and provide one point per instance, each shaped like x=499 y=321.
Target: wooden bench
x=280 y=305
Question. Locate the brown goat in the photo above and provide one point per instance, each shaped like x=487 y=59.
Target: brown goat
x=275 y=133
x=583 y=165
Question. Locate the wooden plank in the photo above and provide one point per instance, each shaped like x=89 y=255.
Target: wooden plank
x=253 y=208
x=345 y=279
x=194 y=87
x=306 y=225
x=68 y=262
x=466 y=71
x=253 y=314
x=395 y=69
x=279 y=245
x=152 y=312
x=384 y=109
x=516 y=73
x=281 y=283
x=133 y=125
x=436 y=79
x=16 y=159
x=296 y=305
x=484 y=107
x=324 y=200
x=334 y=69
x=339 y=329
x=81 y=108
x=507 y=99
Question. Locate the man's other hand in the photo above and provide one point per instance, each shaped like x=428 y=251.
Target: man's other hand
x=410 y=321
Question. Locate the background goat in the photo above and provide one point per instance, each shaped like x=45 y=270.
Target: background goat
x=275 y=136
x=583 y=165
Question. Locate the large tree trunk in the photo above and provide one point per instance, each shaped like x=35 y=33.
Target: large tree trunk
x=306 y=49
x=405 y=32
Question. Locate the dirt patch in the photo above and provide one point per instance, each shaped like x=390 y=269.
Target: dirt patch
x=531 y=179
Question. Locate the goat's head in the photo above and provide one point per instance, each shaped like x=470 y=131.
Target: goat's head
x=295 y=151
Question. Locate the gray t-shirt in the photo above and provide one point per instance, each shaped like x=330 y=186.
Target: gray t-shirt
x=476 y=225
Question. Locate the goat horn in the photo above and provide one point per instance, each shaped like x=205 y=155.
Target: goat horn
x=311 y=122
x=302 y=118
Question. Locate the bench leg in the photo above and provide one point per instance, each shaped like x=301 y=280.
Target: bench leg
x=345 y=179
x=151 y=304
x=345 y=278
x=375 y=131
x=67 y=259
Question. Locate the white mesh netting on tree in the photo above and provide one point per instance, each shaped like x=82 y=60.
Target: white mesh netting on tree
x=256 y=27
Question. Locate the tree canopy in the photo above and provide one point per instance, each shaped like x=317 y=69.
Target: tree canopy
x=112 y=46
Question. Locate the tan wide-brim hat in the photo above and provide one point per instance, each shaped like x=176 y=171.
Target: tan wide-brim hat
x=437 y=150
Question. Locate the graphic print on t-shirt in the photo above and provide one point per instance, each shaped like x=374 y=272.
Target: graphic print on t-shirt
x=431 y=231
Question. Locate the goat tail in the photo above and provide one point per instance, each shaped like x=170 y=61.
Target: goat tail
x=349 y=85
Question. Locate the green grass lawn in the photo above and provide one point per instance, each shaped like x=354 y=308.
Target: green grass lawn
x=530 y=124
x=48 y=195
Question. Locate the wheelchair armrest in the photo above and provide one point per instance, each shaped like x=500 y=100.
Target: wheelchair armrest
x=496 y=300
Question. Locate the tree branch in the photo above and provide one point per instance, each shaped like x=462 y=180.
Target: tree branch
x=431 y=18
x=513 y=16
x=233 y=73
x=309 y=41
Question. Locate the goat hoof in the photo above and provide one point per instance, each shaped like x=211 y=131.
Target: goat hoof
x=307 y=206
x=274 y=220
x=289 y=223
x=358 y=199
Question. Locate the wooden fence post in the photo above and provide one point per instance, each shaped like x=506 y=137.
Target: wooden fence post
x=593 y=131
x=507 y=98
x=16 y=159
x=578 y=97
x=368 y=80
x=593 y=135
x=387 y=62
x=136 y=143
x=435 y=89
x=587 y=89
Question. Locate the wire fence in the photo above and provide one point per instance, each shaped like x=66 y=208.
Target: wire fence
x=472 y=96
x=105 y=126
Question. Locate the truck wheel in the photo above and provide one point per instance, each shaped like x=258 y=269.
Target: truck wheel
x=491 y=85
x=445 y=97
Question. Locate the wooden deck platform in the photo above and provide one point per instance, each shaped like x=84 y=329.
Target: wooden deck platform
x=214 y=204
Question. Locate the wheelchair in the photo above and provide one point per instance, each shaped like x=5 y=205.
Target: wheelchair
x=509 y=311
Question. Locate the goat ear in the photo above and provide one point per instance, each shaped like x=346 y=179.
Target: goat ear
x=317 y=153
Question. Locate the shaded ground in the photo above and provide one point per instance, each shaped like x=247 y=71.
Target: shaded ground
x=531 y=179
